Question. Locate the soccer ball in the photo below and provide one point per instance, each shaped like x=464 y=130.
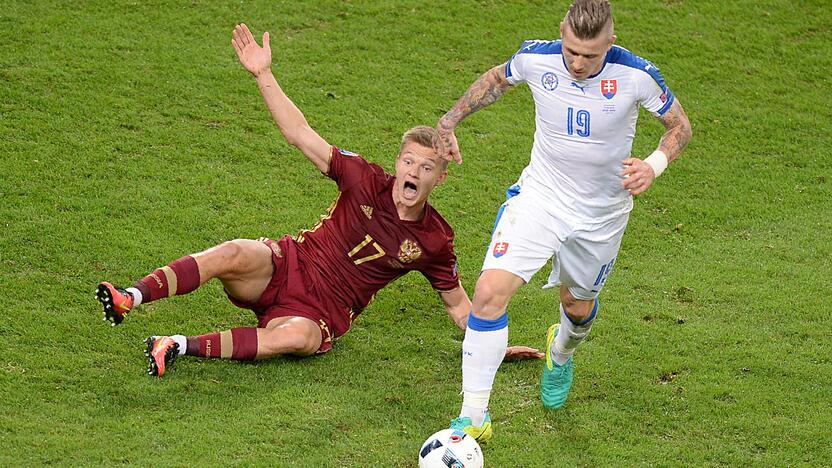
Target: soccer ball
x=450 y=448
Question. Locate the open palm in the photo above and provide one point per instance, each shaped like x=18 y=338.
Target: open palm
x=256 y=59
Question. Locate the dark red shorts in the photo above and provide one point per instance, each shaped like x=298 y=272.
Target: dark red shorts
x=297 y=290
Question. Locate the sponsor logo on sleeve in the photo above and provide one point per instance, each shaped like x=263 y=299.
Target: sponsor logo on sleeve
x=346 y=153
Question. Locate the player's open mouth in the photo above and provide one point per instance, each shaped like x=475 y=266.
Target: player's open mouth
x=409 y=189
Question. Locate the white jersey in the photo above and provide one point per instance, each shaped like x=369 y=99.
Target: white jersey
x=585 y=128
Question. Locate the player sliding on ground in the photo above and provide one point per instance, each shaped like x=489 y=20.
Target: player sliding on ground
x=307 y=291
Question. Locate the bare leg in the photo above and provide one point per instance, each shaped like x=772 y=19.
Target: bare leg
x=244 y=266
x=288 y=335
x=493 y=291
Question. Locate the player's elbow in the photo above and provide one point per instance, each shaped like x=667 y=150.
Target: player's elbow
x=293 y=138
x=687 y=131
x=294 y=133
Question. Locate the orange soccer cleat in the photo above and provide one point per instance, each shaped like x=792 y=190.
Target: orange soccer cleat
x=161 y=352
x=116 y=301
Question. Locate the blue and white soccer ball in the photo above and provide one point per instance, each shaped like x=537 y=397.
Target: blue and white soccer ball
x=450 y=448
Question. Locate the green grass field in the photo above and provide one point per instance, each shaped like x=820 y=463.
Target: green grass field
x=130 y=135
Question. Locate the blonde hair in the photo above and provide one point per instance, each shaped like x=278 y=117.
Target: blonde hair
x=589 y=18
x=428 y=137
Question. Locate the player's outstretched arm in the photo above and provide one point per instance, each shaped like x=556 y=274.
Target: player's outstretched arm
x=289 y=119
x=639 y=174
x=458 y=307
x=486 y=90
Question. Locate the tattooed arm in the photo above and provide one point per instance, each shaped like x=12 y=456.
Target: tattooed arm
x=677 y=131
x=638 y=174
x=487 y=89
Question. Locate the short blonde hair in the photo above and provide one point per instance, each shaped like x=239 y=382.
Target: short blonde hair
x=428 y=137
x=588 y=18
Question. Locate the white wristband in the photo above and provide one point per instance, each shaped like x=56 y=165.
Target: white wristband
x=658 y=161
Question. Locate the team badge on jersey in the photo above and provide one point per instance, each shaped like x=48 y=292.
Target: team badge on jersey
x=347 y=153
x=549 y=81
x=500 y=249
x=409 y=251
x=609 y=88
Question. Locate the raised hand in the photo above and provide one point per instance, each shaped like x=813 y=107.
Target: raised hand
x=254 y=58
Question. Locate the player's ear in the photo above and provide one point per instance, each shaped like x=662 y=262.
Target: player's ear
x=561 y=29
x=441 y=179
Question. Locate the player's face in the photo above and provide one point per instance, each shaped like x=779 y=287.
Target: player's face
x=584 y=57
x=418 y=171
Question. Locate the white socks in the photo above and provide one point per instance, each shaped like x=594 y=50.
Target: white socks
x=137 y=296
x=182 y=342
x=475 y=405
x=570 y=335
x=483 y=350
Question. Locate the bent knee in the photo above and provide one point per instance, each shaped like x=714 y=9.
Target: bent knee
x=243 y=255
x=291 y=339
x=228 y=253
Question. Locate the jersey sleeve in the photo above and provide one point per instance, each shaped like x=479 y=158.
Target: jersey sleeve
x=653 y=95
x=442 y=272
x=347 y=168
x=514 y=67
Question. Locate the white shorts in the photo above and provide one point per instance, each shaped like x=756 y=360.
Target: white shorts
x=526 y=236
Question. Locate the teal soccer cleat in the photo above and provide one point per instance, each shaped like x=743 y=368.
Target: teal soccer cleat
x=481 y=433
x=556 y=380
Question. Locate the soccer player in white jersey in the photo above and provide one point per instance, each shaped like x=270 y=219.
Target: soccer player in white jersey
x=572 y=202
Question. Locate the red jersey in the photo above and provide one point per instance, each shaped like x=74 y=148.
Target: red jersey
x=360 y=245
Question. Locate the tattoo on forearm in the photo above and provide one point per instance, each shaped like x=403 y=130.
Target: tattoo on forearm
x=677 y=133
x=487 y=89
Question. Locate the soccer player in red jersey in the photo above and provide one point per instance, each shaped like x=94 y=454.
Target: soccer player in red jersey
x=307 y=291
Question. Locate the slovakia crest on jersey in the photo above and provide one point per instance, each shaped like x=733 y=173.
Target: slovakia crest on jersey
x=500 y=249
x=609 y=88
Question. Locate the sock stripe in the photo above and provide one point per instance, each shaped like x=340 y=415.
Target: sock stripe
x=226 y=344
x=589 y=319
x=591 y=315
x=480 y=324
x=170 y=277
